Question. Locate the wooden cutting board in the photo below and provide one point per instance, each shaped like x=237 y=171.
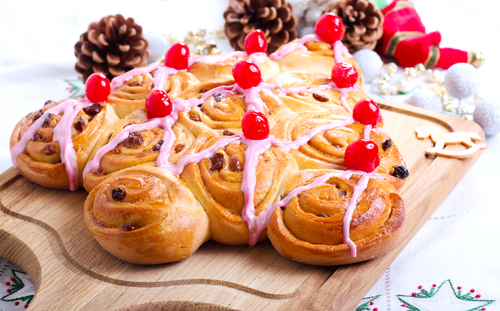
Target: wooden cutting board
x=43 y=231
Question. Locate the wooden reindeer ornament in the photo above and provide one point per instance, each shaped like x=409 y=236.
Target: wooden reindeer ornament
x=441 y=139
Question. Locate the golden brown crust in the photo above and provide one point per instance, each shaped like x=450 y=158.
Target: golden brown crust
x=131 y=96
x=327 y=149
x=218 y=187
x=41 y=161
x=156 y=219
x=144 y=149
x=223 y=70
x=318 y=58
x=309 y=228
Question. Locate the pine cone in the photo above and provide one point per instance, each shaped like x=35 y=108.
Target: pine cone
x=112 y=46
x=362 y=22
x=274 y=17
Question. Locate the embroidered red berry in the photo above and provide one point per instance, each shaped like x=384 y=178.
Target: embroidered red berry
x=329 y=28
x=12 y=279
x=362 y=155
x=459 y=287
x=414 y=294
x=472 y=290
x=255 y=42
x=26 y=306
x=366 y=112
x=7 y=283
x=9 y=291
x=375 y=309
x=158 y=104
x=420 y=287
x=255 y=125
x=478 y=296
x=246 y=74
x=344 y=75
x=434 y=285
x=97 y=88
x=371 y=303
x=16 y=303
x=177 y=56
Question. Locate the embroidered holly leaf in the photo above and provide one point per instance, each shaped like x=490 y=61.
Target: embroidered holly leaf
x=365 y=305
x=443 y=297
x=20 y=289
x=75 y=87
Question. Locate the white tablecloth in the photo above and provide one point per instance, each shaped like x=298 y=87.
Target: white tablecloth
x=451 y=264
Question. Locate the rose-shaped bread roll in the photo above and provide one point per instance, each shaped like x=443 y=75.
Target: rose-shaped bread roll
x=319 y=58
x=216 y=183
x=327 y=148
x=41 y=159
x=131 y=95
x=220 y=67
x=222 y=111
x=146 y=215
x=306 y=93
x=139 y=147
x=309 y=229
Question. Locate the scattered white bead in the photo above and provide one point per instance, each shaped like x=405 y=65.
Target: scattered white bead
x=461 y=80
x=158 y=45
x=299 y=7
x=426 y=99
x=313 y=14
x=487 y=114
x=308 y=30
x=370 y=64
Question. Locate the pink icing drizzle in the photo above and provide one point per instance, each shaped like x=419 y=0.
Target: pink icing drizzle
x=211 y=59
x=118 y=81
x=293 y=46
x=62 y=134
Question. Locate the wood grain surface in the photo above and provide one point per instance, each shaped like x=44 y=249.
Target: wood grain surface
x=42 y=230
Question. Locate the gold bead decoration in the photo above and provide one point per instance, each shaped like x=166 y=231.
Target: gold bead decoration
x=410 y=73
x=383 y=86
x=478 y=59
x=479 y=96
x=195 y=39
x=403 y=86
x=391 y=69
x=435 y=76
x=420 y=69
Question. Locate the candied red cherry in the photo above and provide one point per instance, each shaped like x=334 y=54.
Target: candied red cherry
x=329 y=28
x=255 y=42
x=158 y=104
x=344 y=75
x=97 y=88
x=246 y=74
x=362 y=155
x=255 y=125
x=177 y=56
x=366 y=112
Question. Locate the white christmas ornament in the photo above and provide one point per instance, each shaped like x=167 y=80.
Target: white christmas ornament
x=461 y=80
x=487 y=114
x=313 y=14
x=370 y=64
x=308 y=30
x=426 y=99
x=158 y=45
x=299 y=7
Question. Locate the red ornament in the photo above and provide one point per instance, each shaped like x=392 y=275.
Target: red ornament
x=177 y=56
x=329 y=28
x=362 y=155
x=344 y=75
x=246 y=74
x=255 y=125
x=158 y=104
x=366 y=112
x=255 y=42
x=97 y=88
